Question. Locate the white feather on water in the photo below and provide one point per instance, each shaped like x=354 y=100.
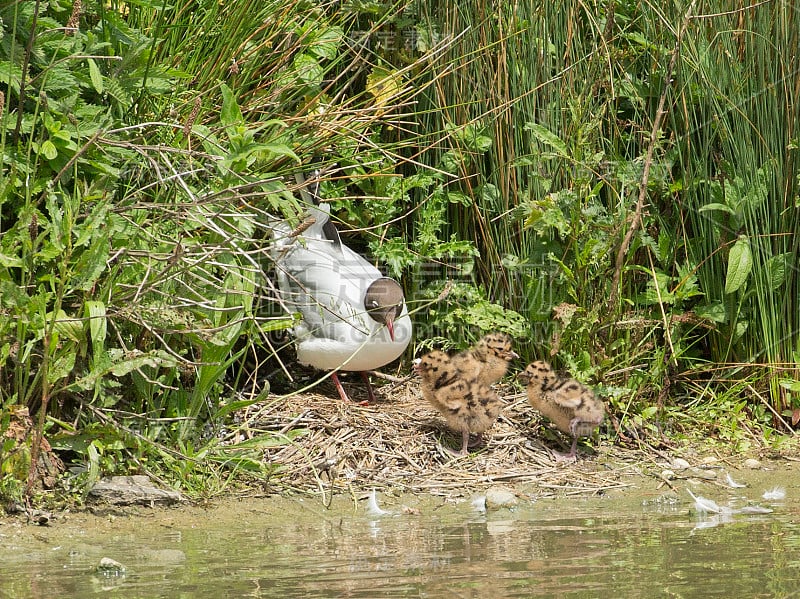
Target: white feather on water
x=373 y=509
x=703 y=505
x=479 y=503
x=732 y=483
x=774 y=494
x=721 y=513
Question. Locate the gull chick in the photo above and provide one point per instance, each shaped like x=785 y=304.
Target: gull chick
x=572 y=407
x=488 y=360
x=467 y=404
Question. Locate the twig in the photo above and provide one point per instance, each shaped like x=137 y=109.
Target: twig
x=654 y=133
x=771 y=409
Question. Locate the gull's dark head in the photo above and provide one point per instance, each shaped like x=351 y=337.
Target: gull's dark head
x=384 y=302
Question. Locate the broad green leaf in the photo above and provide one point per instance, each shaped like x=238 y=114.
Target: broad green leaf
x=12 y=295
x=384 y=85
x=279 y=150
x=740 y=263
x=716 y=206
x=91 y=264
x=235 y=406
x=452 y=160
x=8 y=261
x=649 y=412
x=308 y=70
x=96 y=313
x=714 y=312
x=67 y=326
x=489 y=194
x=10 y=74
x=664 y=246
x=326 y=45
x=231 y=114
x=95 y=76
x=457 y=197
x=48 y=150
x=61 y=367
x=135 y=360
x=790 y=385
x=547 y=137
x=270 y=440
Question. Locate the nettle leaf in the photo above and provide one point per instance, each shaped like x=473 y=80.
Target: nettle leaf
x=59 y=79
x=11 y=75
x=384 y=85
x=117 y=91
x=308 y=70
x=395 y=254
x=776 y=269
x=546 y=137
x=326 y=45
x=740 y=263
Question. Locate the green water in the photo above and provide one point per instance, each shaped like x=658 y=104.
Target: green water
x=634 y=544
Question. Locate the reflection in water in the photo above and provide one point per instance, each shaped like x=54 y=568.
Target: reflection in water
x=282 y=548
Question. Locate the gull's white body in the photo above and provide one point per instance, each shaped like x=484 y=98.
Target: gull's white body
x=326 y=282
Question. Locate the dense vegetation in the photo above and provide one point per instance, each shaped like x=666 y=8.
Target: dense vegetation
x=615 y=183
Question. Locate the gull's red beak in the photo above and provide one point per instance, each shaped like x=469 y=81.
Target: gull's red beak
x=390 y=326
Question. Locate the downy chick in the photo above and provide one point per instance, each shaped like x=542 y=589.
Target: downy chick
x=487 y=361
x=468 y=405
x=572 y=407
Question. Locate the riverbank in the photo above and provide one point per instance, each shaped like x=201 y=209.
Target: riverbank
x=315 y=445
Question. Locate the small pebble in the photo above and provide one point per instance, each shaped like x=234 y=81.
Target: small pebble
x=667 y=475
x=752 y=463
x=680 y=464
x=109 y=567
x=709 y=460
x=500 y=497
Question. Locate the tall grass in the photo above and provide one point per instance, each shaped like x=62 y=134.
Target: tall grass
x=567 y=92
x=747 y=126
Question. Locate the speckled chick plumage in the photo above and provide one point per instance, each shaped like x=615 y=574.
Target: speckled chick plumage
x=458 y=387
x=571 y=406
x=487 y=361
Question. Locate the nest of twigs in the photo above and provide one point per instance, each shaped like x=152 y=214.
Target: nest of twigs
x=396 y=443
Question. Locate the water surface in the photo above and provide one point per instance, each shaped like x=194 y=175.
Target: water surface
x=638 y=543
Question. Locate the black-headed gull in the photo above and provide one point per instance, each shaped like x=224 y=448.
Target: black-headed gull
x=353 y=318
